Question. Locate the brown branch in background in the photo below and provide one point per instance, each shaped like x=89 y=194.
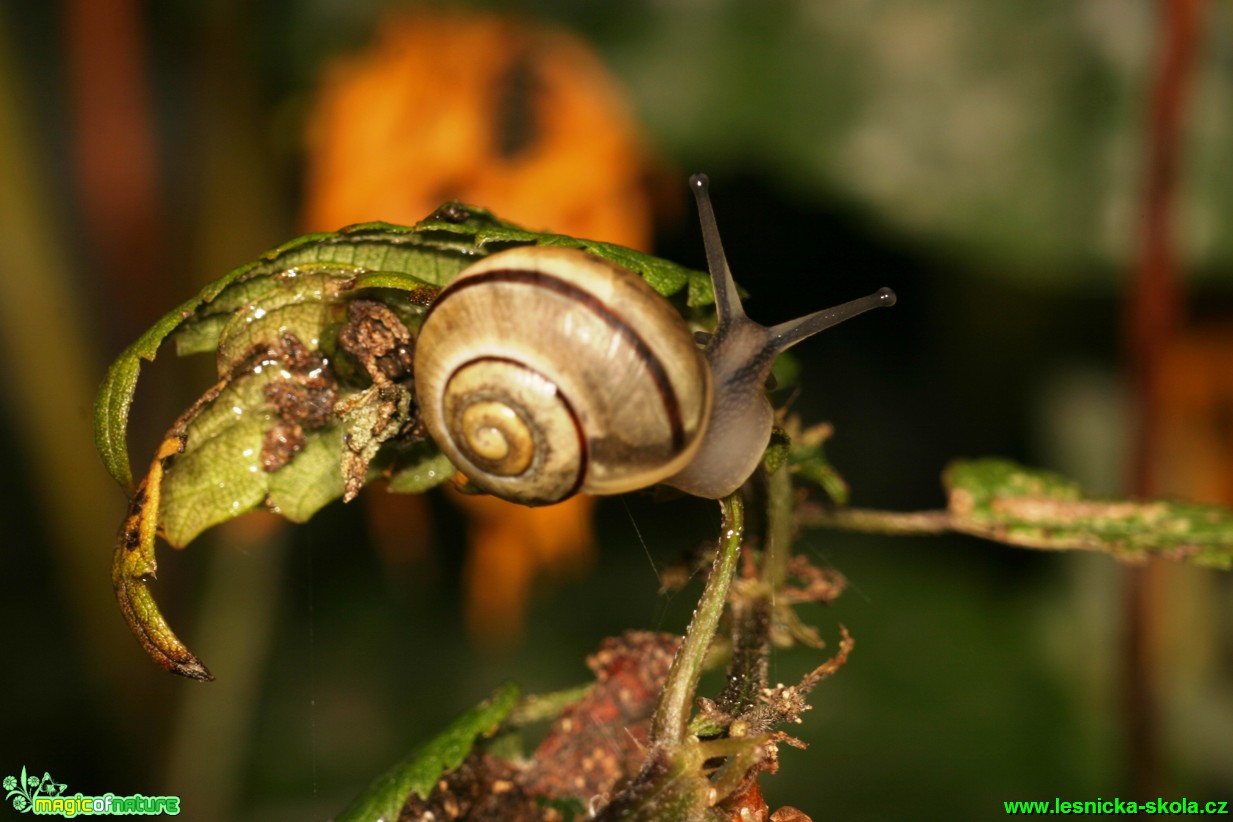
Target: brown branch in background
x=1153 y=315
x=1157 y=294
x=115 y=158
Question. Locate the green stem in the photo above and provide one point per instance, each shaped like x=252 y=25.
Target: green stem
x=670 y=725
x=778 y=528
x=543 y=707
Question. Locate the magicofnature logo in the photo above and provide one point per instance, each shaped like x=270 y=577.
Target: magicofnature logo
x=30 y=794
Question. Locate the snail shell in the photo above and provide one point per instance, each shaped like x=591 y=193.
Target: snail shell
x=547 y=371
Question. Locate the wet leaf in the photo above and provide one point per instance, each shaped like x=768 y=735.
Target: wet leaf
x=219 y=475
x=664 y=276
x=200 y=321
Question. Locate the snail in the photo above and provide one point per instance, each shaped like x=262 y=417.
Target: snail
x=542 y=372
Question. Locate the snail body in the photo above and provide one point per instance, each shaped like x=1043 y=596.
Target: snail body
x=542 y=372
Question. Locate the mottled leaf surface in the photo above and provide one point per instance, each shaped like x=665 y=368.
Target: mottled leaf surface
x=1002 y=500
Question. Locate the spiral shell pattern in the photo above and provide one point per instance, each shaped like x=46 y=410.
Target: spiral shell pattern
x=542 y=372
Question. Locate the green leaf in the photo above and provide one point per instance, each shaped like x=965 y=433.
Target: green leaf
x=420 y=770
x=1002 y=500
x=807 y=458
x=423 y=468
x=115 y=398
x=220 y=476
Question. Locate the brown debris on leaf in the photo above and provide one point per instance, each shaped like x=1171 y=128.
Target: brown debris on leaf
x=370 y=418
x=380 y=342
x=482 y=788
x=303 y=400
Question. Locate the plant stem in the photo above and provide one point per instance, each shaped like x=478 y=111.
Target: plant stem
x=878 y=522
x=544 y=707
x=778 y=528
x=670 y=724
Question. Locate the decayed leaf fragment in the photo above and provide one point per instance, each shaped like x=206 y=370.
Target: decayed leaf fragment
x=376 y=337
x=601 y=739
